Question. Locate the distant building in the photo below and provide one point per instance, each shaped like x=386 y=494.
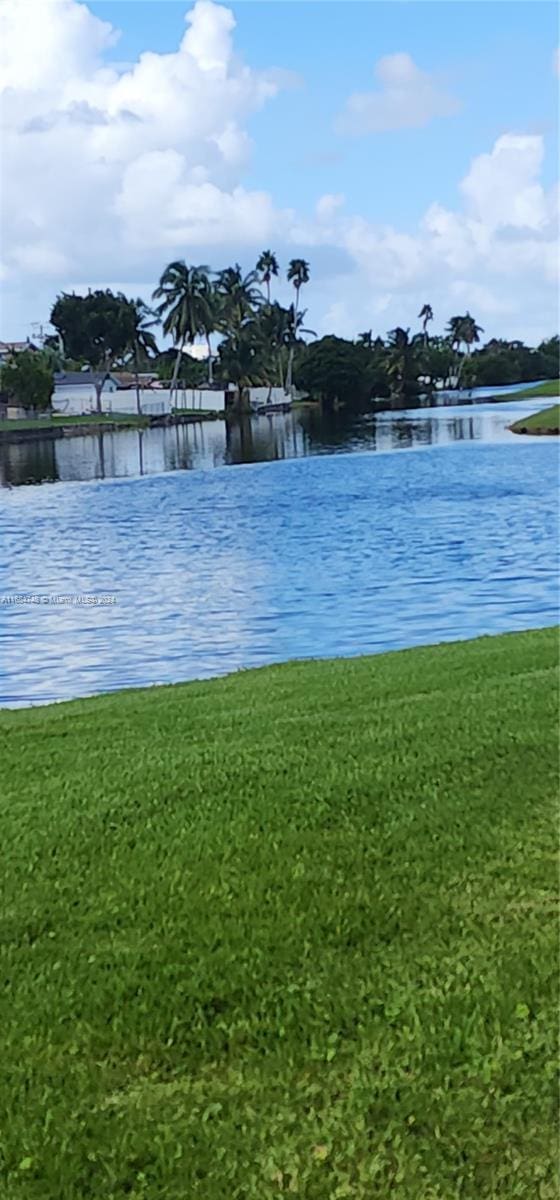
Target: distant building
x=127 y=379
x=7 y=349
x=74 y=391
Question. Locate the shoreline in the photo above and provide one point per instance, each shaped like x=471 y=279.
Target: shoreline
x=36 y=430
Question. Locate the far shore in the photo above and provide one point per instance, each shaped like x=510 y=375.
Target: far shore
x=56 y=426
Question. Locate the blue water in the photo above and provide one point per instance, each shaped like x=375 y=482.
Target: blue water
x=334 y=554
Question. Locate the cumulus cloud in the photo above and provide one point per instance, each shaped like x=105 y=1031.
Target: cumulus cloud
x=327 y=205
x=495 y=253
x=406 y=98
x=111 y=170
x=108 y=157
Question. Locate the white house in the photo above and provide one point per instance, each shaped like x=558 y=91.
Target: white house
x=74 y=395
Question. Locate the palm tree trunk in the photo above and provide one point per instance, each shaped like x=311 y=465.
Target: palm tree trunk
x=136 y=379
x=460 y=370
x=289 y=371
x=291 y=355
x=210 y=369
x=98 y=390
x=176 y=371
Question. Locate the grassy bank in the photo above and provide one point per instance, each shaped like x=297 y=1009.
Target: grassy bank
x=58 y=421
x=546 y=421
x=551 y=387
x=291 y=932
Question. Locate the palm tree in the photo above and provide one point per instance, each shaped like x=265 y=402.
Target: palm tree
x=402 y=364
x=425 y=315
x=239 y=297
x=295 y=329
x=267 y=266
x=183 y=292
x=298 y=274
x=144 y=342
x=243 y=358
x=274 y=326
x=211 y=321
x=463 y=331
x=366 y=339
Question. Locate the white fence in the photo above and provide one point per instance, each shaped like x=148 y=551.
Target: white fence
x=208 y=399
x=81 y=401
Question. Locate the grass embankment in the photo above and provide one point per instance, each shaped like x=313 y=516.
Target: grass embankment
x=551 y=387
x=290 y=932
x=546 y=421
x=58 y=420
x=193 y=413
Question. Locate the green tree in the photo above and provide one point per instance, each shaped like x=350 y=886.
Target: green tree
x=96 y=328
x=183 y=293
x=27 y=379
x=298 y=274
x=463 y=331
x=403 y=364
x=267 y=266
x=426 y=315
x=436 y=361
x=243 y=359
x=211 y=321
x=336 y=371
x=240 y=298
x=274 y=325
x=144 y=345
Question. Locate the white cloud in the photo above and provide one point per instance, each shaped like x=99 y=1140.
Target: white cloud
x=108 y=171
x=407 y=98
x=327 y=205
x=502 y=187
x=496 y=253
x=104 y=158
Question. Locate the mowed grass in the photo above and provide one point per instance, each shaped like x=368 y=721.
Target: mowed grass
x=551 y=387
x=289 y=932
x=58 y=420
x=545 y=421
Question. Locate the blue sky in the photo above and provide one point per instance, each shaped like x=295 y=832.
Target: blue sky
x=495 y=56
x=442 y=191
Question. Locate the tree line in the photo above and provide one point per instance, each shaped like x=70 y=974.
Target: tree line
x=253 y=340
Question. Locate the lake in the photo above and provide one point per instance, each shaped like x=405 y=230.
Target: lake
x=153 y=558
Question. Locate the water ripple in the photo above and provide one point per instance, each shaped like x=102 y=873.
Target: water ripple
x=310 y=557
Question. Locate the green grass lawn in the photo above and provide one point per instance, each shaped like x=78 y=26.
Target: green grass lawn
x=289 y=932
x=55 y=420
x=197 y=412
x=551 y=387
x=545 y=421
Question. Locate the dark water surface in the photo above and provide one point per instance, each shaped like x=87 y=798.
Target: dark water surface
x=303 y=432
x=328 y=550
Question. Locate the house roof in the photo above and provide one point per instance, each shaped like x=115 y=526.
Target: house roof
x=127 y=379
x=78 y=378
x=16 y=347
